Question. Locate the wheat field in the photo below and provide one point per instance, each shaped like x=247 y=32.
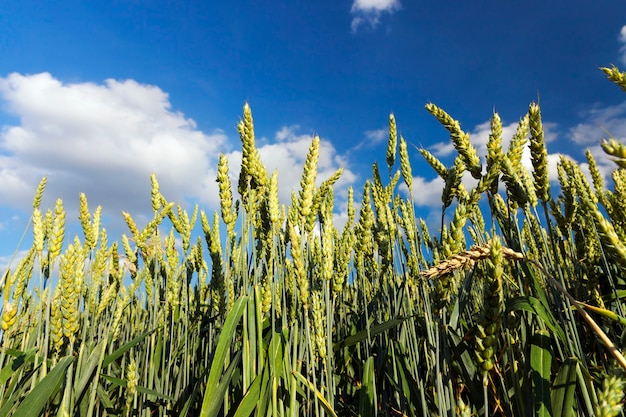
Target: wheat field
x=513 y=307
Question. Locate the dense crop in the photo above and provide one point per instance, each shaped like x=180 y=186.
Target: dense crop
x=515 y=307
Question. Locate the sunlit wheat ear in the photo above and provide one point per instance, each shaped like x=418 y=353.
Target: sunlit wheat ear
x=492 y=308
x=435 y=163
x=529 y=187
x=226 y=194
x=9 y=316
x=616 y=207
x=56 y=320
x=596 y=177
x=318 y=316
x=514 y=182
x=610 y=240
x=39 y=193
x=610 y=397
x=516 y=146
x=253 y=174
x=393 y=142
x=132 y=381
x=23 y=274
x=273 y=201
x=494 y=144
x=307 y=183
x=343 y=252
x=55 y=242
x=297 y=255
x=538 y=153
x=328 y=230
x=72 y=276
x=405 y=165
x=131 y=224
x=456 y=238
x=120 y=305
x=96 y=221
x=579 y=181
x=152 y=225
x=459 y=138
x=38 y=231
x=453 y=182
x=615 y=148
x=616 y=76
x=155 y=193
x=85 y=221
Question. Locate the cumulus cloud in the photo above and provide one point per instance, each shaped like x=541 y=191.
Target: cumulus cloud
x=105 y=139
x=622 y=49
x=427 y=193
x=369 y=12
x=372 y=138
x=598 y=123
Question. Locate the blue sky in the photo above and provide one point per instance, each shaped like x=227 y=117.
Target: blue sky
x=97 y=95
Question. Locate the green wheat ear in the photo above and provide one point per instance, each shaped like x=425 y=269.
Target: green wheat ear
x=393 y=142
x=616 y=76
x=460 y=140
x=538 y=153
x=405 y=165
x=39 y=193
x=610 y=397
x=614 y=148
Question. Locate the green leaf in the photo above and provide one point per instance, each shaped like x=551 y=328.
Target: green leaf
x=88 y=371
x=45 y=389
x=540 y=372
x=533 y=305
x=125 y=348
x=122 y=383
x=320 y=397
x=367 y=398
x=252 y=398
x=20 y=359
x=363 y=334
x=564 y=388
x=212 y=401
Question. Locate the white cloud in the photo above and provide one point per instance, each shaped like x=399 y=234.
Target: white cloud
x=622 y=49
x=106 y=139
x=369 y=12
x=376 y=136
x=12 y=260
x=598 y=123
x=426 y=193
x=372 y=139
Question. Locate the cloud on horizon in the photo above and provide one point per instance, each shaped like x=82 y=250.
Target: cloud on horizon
x=369 y=12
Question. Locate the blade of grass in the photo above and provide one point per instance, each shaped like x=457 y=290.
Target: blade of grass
x=540 y=368
x=212 y=401
x=564 y=388
x=45 y=389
